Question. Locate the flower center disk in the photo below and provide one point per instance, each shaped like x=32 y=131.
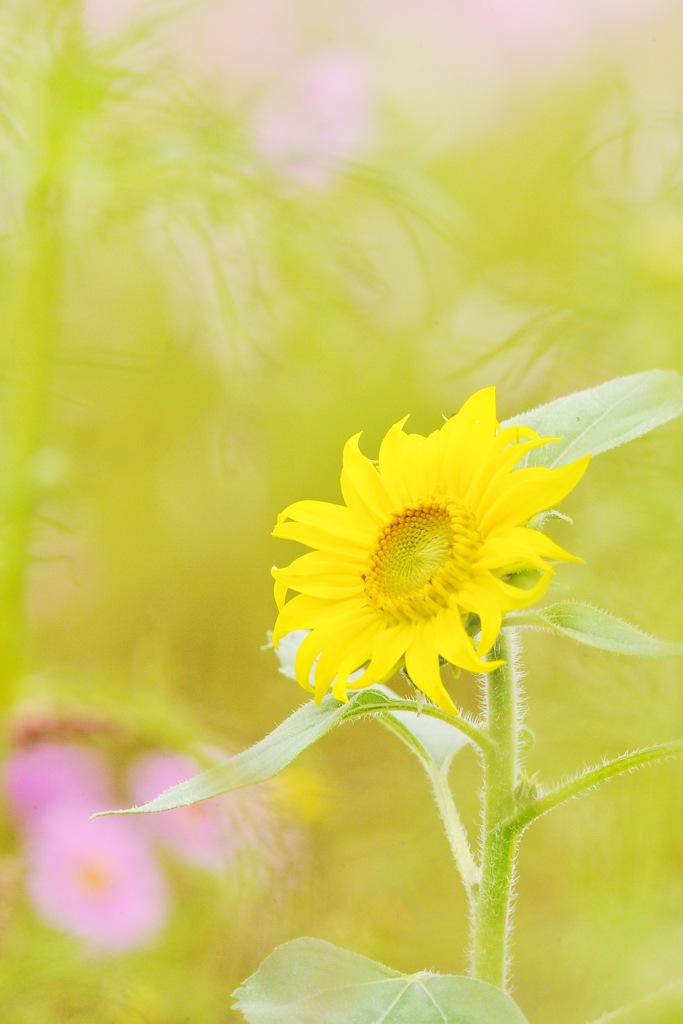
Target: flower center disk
x=421 y=556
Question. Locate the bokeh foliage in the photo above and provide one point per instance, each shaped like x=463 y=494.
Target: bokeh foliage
x=188 y=337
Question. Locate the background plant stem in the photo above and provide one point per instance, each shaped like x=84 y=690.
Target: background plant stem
x=28 y=358
x=668 y=1001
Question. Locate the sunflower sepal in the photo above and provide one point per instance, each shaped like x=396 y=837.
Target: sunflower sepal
x=539 y=521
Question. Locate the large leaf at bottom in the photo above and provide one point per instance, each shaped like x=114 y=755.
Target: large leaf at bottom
x=308 y=981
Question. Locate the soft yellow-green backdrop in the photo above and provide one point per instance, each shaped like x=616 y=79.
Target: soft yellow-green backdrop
x=189 y=334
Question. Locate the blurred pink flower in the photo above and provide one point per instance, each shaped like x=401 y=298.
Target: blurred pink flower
x=545 y=30
x=317 y=119
x=196 y=834
x=489 y=43
x=244 y=43
x=543 y=35
x=243 y=829
x=95 y=879
x=107 y=17
x=39 y=776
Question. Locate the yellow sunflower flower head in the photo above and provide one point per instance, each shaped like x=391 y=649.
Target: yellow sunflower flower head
x=419 y=562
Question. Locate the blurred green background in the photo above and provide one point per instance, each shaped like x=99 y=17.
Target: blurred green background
x=232 y=235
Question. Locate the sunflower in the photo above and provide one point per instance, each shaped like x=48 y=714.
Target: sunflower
x=425 y=557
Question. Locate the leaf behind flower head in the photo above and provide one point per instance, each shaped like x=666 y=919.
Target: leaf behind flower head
x=596 y=628
x=597 y=419
x=308 y=981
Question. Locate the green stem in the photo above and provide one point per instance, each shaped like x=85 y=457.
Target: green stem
x=588 y=779
x=455 y=832
x=491 y=919
x=437 y=771
x=458 y=722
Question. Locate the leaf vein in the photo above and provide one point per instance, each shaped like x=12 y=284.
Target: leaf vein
x=434 y=1002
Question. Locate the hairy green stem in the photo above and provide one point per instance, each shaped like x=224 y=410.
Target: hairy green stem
x=455 y=832
x=458 y=722
x=590 y=778
x=491 y=918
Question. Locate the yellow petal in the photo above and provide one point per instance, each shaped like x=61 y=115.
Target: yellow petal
x=315 y=537
x=393 y=467
x=309 y=649
x=455 y=645
x=422 y=664
x=298 y=613
x=503 y=555
x=351 y=666
x=481 y=600
x=478 y=413
x=339 y=689
x=322 y=563
x=337 y=520
x=513 y=597
x=542 y=545
x=341 y=683
x=498 y=462
x=306 y=612
x=465 y=439
x=280 y=590
x=528 y=491
x=361 y=484
x=320 y=585
x=417 y=475
x=389 y=649
x=344 y=650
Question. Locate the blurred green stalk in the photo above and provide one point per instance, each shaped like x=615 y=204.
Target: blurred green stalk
x=30 y=344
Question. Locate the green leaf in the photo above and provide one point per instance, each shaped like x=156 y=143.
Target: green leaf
x=304 y=727
x=431 y=738
x=603 y=417
x=308 y=981
x=594 y=627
